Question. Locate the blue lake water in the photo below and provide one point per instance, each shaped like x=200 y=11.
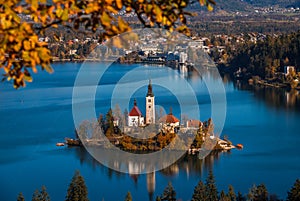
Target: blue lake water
x=33 y=119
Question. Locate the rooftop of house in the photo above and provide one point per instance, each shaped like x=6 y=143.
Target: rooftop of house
x=135 y=111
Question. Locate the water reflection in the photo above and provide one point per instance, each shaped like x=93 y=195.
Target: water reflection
x=274 y=97
x=189 y=165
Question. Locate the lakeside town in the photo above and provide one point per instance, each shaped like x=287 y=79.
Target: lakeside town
x=225 y=50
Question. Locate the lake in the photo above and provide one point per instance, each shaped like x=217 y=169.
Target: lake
x=34 y=119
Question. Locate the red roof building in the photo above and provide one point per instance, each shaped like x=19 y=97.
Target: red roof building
x=169 y=119
x=135 y=117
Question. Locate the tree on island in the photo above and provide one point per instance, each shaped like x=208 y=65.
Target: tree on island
x=294 y=193
x=77 y=190
x=109 y=123
x=20 y=197
x=128 y=197
x=41 y=195
x=199 y=192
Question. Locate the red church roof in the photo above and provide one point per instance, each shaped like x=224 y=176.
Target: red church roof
x=135 y=111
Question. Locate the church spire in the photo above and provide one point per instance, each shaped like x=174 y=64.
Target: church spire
x=150 y=92
x=134 y=102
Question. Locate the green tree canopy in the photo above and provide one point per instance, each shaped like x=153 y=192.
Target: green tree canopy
x=211 y=188
x=294 y=193
x=231 y=194
x=77 y=190
x=41 y=195
x=258 y=193
x=20 y=197
x=21 y=49
x=169 y=193
x=199 y=192
x=128 y=197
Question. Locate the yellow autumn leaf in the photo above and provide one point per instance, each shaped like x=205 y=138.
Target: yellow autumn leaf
x=202 y=2
x=105 y=19
x=119 y=4
x=128 y=9
x=34 y=4
x=59 y=12
x=27 y=78
x=209 y=7
x=158 y=13
x=109 y=2
x=47 y=67
x=123 y=26
x=65 y=15
x=26 y=45
x=18 y=9
x=112 y=9
x=17 y=47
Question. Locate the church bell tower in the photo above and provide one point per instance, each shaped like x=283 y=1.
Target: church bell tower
x=150 y=105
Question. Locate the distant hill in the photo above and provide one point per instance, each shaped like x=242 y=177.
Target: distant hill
x=225 y=5
x=247 y=5
x=281 y=3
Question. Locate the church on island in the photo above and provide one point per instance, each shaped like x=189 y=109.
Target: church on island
x=136 y=119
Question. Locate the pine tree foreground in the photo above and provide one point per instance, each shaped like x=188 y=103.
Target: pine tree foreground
x=169 y=194
x=199 y=192
x=128 y=197
x=294 y=193
x=77 y=190
x=41 y=195
x=20 y=197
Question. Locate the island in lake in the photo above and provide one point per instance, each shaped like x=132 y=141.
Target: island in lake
x=134 y=132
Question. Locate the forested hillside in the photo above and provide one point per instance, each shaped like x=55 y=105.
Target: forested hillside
x=269 y=56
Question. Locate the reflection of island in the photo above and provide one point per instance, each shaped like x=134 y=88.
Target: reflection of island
x=190 y=165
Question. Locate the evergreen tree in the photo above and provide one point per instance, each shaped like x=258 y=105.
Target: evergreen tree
x=251 y=193
x=20 y=197
x=169 y=193
x=223 y=196
x=44 y=196
x=261 y=193
x=40 y=195
x=199 y=192
x=128 y=197
x=77 y=190
x=35 y=196
x=211 y=188
x=231 y=194
x=294 y=193
x=240 y=197
x=258 y=193
x=109 y=124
